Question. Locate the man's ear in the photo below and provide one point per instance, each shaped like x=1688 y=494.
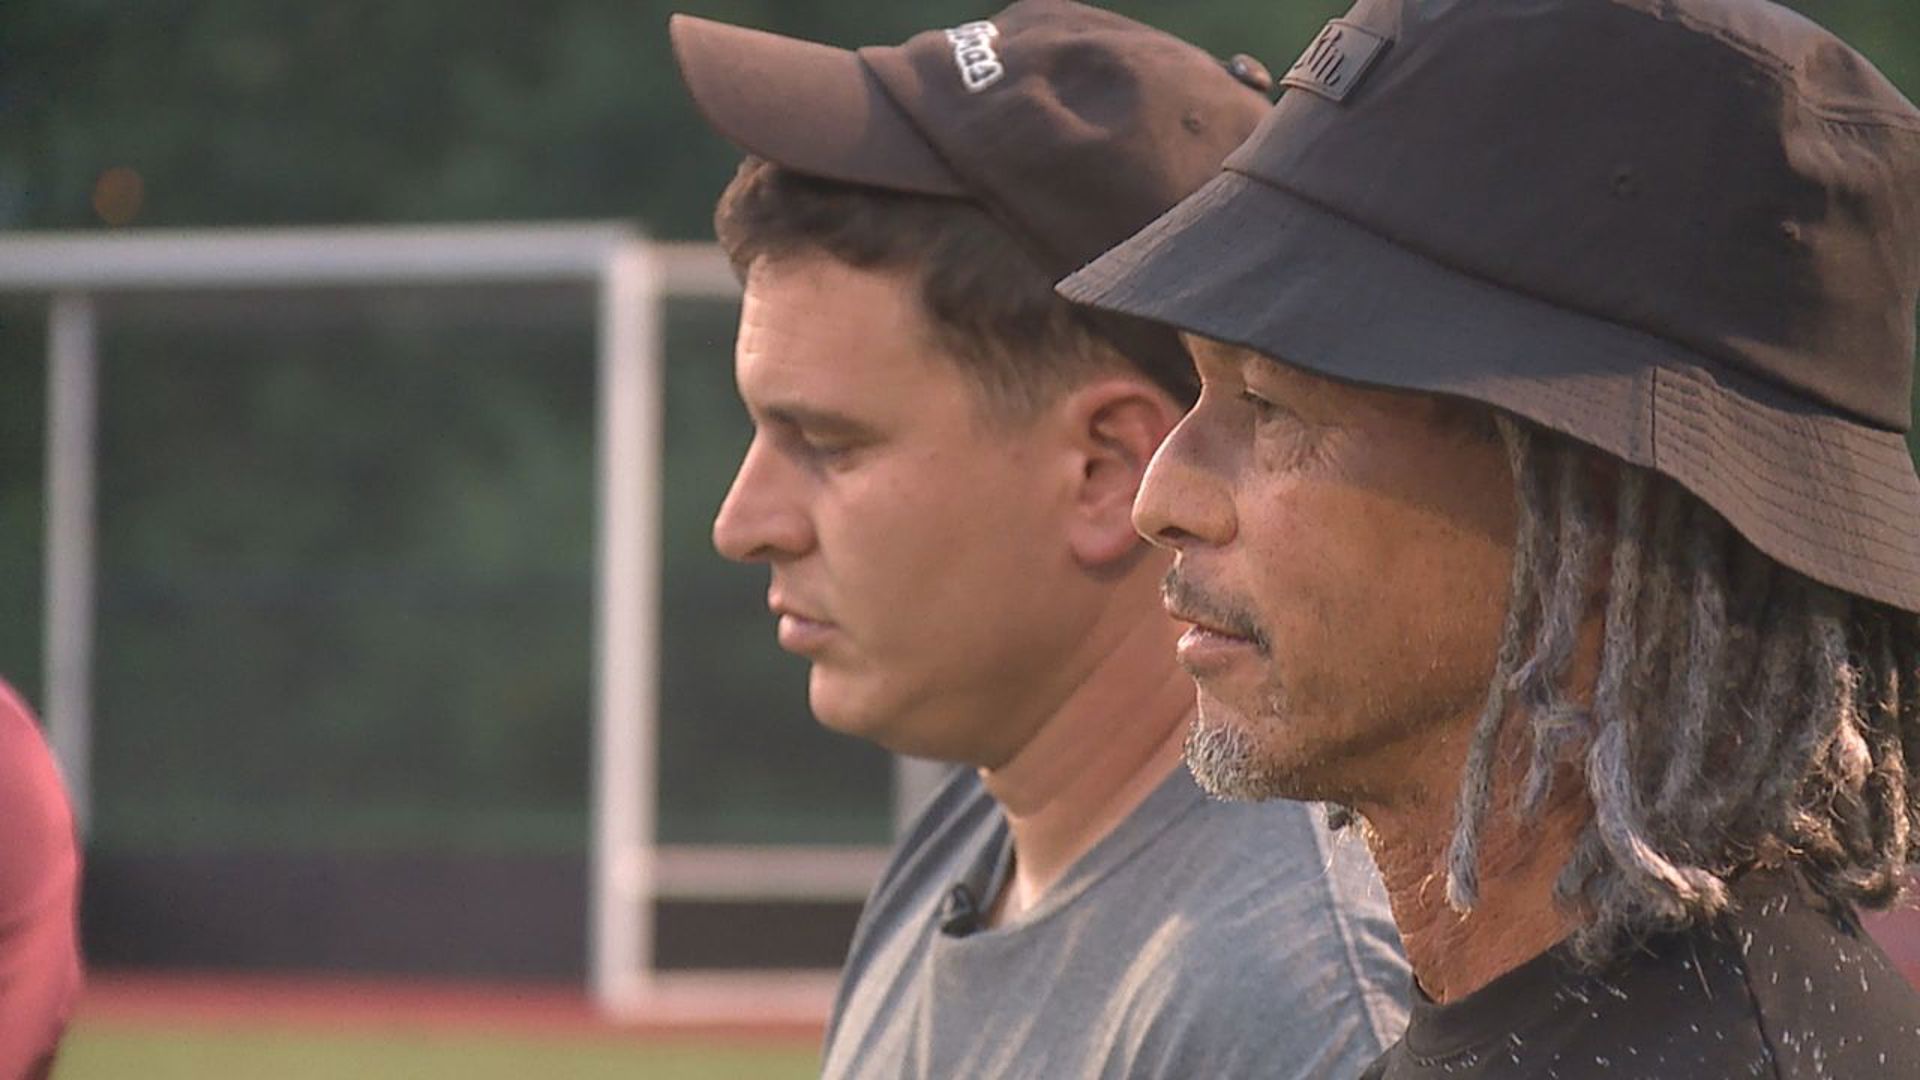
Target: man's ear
x=1114 y=425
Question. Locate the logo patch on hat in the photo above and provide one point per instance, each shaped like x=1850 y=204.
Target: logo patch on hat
x=1336 y=61
x=973 y=53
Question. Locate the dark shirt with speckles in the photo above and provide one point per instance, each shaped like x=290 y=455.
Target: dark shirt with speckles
x=1787 y=988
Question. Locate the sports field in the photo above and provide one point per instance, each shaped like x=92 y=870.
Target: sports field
x=229 y=1027
x=104 y=1050
x=241 y=1028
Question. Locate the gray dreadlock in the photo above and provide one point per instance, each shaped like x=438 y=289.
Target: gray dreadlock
x=1743 y=715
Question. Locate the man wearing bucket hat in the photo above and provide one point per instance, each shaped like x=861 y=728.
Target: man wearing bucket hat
x=1547 y=505
x=940 y=481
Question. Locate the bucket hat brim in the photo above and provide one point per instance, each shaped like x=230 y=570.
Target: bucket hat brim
x=1250 y=264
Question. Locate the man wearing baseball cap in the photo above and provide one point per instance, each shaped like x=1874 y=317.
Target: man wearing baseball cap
x=940 y=482
x=1547 y=503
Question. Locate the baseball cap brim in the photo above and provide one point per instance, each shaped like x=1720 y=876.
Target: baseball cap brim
x=812 y=108
x=1248 y=263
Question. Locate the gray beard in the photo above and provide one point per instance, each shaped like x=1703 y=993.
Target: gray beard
x=1226 y=762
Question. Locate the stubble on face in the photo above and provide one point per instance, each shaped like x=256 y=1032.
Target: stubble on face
x=1368 y=578
x=1227 y=758
x=1228 y=762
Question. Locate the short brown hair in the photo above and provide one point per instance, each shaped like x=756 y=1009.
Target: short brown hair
x=989 y=300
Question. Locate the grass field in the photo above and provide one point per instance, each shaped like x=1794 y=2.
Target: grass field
x=111 y=1050
x=186 y=1026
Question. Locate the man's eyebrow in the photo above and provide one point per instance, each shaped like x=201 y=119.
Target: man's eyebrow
x=817 y=421
x=1290 y=379
x=1242 y=359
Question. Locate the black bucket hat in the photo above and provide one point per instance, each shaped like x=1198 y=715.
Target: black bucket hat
x=1074 y=127
x=1686 y=232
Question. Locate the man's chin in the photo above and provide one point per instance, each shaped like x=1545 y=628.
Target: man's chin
x=841 y=719
x=1229 y=760
x=838 y=707
x=849 y=706
x=1226 y=763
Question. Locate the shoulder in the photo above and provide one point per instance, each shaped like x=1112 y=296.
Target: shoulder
x=19 y=731
x=895 y=923
x=944 y=836
x=36 y=822
x=947 y=836
x=39 y=881
x=1828 y=1000
x=1285 y=851
x=1275 y=872
x=961 y=801
x=1273 y=932
x=1779 y=988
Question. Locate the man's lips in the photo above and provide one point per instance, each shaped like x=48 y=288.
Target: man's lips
x=1208 y=649
x=799 y=630
x=1202 y=625
x=1205 y=651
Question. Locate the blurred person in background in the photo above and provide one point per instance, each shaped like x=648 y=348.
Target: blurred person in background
x=940 y=481
x=39 y=894
x=1561 y=522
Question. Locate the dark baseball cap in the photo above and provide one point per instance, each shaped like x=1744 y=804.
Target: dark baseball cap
x=1686 y=232
x=1072 y=126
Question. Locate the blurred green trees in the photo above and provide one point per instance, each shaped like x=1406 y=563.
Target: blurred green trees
x=275 y=112
x=270 y=112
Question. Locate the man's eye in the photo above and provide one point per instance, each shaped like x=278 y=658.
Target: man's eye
x=1262 y=406
x=826 y=451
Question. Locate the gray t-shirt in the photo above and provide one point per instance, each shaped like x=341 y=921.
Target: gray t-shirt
x=1200 y=939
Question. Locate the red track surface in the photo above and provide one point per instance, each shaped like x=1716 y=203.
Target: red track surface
x=770 y=1010
x=735 y=1007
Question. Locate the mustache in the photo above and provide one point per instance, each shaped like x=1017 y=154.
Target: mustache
x=1188 y=600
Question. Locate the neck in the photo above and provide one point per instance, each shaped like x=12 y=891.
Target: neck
x=1515 y=918
x=1522 y=854
x=1095 y=759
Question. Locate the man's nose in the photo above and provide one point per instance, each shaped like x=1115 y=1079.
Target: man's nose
x=1183 y=500
x=762 y=518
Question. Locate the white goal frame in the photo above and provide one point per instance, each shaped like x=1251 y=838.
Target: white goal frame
x=633 y=277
